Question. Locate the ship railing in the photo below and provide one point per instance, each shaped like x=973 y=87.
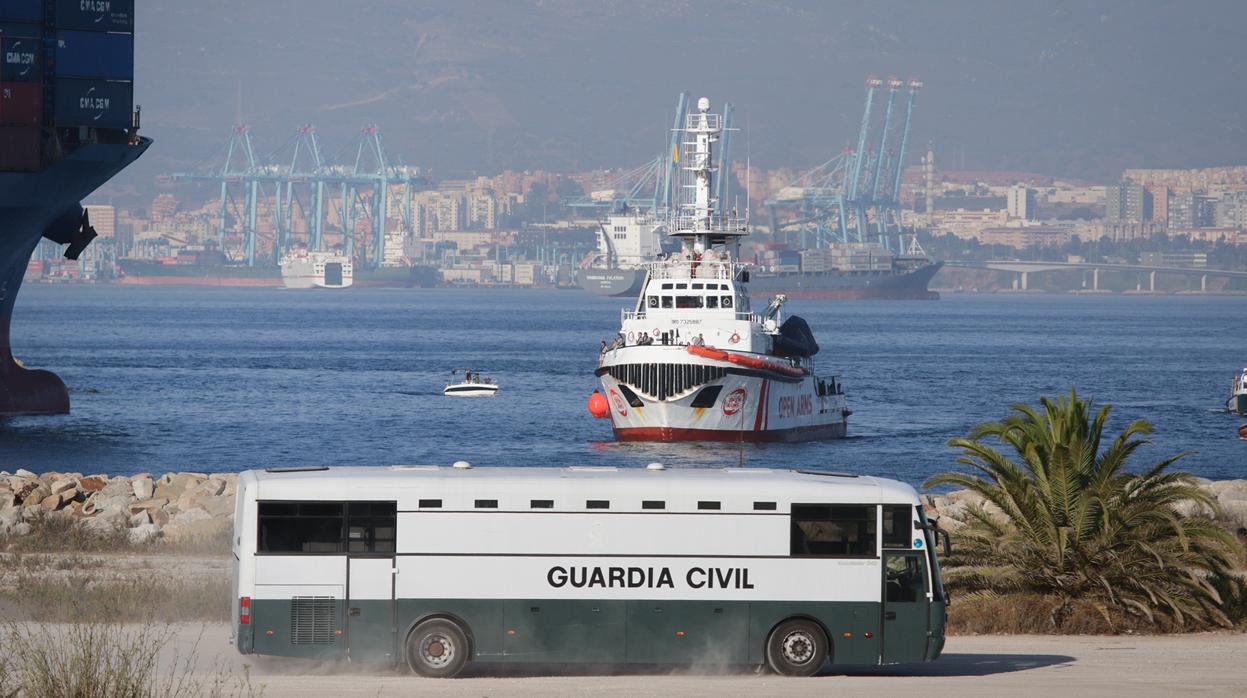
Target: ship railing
x=693 y=269
x=689 y=223
x=641 y=315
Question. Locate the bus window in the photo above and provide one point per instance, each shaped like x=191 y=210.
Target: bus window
x=764 y=506
x=688 y=301
x=597 y=504
x=712 y=301
x=725 y=302
x=653 y=504
x=300 y=527
x=541 y=504
x=712 y=506
x=666 y=301
x=906 y=580
x=897 y=525
x=653 y=301
x=831 y=530
x=370 y=527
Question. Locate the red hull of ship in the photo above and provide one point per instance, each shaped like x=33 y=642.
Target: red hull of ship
x=818 y=433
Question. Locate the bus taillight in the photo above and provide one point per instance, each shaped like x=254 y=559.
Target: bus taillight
x=244 y=610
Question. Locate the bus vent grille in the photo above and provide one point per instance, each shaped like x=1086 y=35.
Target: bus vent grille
x=312 y=620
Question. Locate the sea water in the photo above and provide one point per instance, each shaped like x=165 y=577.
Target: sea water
x=216 y=379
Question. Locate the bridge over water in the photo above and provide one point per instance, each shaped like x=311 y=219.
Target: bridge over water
x=1025 y=269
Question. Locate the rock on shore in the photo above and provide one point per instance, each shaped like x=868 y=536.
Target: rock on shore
x=1230 y=495
x=171 y=506
x=177 y=506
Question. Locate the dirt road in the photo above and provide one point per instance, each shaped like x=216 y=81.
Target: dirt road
x=1211 y=664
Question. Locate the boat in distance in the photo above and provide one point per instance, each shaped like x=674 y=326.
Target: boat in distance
x=1237 y=402
x=473 y=384
x=692 y=361
x=303 y=269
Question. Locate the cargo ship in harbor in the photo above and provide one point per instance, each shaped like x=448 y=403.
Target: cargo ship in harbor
x=692 y=360
x=67 y=125
x=214 y=270
x=628 y=242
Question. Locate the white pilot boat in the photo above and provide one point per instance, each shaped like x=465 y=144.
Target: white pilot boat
x=692 y=361
x=473 y=384
x=1237 y=402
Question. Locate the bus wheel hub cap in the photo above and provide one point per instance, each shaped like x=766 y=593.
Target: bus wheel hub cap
x=798 y=647
x=438 y=650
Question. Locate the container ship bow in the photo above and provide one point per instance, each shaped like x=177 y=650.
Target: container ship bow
x=67 y=126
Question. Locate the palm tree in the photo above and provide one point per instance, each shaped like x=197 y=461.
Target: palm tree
x=1064 y=519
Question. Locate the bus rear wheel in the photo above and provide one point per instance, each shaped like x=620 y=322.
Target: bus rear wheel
x=437 y=649
x=796 y=648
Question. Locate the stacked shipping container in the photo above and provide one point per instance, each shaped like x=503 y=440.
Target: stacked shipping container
x=838 y=257
x=64 y=64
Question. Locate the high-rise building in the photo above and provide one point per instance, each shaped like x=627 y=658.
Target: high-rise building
x=1160 y=203
x=1187 y=210
x=482 y=210
x=1231 y=210
x=1020 y=202
x=1127 y=202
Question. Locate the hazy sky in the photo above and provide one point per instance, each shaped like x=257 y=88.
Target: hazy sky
x=1067 y=88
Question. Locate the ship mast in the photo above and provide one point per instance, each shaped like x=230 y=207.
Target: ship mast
x=699 y=223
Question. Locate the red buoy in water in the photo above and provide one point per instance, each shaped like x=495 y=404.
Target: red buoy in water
x=1242 y=431
x=598 y=407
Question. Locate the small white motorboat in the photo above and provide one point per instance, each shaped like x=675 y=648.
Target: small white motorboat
x=473 y=384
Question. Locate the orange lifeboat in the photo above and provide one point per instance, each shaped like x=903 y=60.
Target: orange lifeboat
x=746 y=360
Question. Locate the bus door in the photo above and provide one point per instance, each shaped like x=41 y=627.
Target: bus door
x=370 y=613
x=905 y=606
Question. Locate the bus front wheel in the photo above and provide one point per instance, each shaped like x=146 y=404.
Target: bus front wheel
x=796 y=648
x=437 y=649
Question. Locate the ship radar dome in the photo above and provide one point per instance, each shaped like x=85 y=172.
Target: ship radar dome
x=703 y=104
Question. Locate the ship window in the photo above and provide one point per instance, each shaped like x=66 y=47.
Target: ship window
x=653 y=301
x=698 y=286
x=653 y=504
x=726 y=301
x=666 y=286
x=666 y=301
x=712 y=301
x=713 y=506
x=707 y=396
x=688 y=301
x=597 y=504
x=542 y=504
x=486 y=504
x=680 y=286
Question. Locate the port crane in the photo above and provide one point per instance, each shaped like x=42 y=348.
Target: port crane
x=855 y=195
x=299 y=179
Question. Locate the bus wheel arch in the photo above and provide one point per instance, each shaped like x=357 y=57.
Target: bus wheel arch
x=798 y=646
x=438 y=645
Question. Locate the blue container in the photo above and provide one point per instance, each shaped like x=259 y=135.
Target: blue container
x=97 y=103
x=95 y=15
x=94 y=55
x=19 y=29
x=19 y=60
x=23 y=10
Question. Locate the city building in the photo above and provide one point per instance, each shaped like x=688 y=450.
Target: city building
x=1230 y=211
x=1022 y=237
x=1020 y=202
x=1187 y=209
x=1127 y=202
x=1186 y=260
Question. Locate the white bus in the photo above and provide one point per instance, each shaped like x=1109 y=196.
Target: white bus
x=436 y=566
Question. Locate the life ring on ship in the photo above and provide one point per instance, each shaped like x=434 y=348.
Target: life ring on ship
x=656 y=334
x=734 y=338
x=1242 y=431
x=631 y=337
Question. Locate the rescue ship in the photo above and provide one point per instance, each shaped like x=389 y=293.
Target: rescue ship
x=692 y=360
x=67 y=126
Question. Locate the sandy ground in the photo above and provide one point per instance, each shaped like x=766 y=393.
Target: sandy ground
x=1213 y=664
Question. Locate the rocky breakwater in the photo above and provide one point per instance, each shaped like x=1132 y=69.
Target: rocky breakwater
x=143 y=507
x=1231 y=497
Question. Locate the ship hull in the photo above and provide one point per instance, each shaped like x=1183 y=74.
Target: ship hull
x=611 y=282
x=29 y=201
x=748 y=405
x=838 y=285
x=1237 y=404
